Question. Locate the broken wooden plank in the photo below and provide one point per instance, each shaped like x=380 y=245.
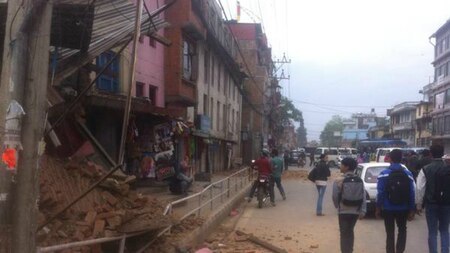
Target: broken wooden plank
x=261 y=243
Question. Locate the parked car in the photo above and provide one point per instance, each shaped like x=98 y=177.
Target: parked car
x=294 y=155
x=369 y=172
x=333 y=154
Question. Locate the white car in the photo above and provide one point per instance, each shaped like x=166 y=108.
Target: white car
x=369 y=172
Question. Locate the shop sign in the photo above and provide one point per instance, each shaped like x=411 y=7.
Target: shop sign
x=203 y=123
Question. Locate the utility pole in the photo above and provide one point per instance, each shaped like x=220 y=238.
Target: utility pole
x=28 y=86
x=127 y=110
x=14 y=19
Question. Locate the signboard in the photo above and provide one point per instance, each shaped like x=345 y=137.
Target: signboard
x=203 y=123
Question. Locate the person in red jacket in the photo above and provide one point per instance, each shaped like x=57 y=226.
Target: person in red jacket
x=264 y=167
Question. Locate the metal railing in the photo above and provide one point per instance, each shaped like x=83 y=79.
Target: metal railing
x=225 y=186
x=236 y=181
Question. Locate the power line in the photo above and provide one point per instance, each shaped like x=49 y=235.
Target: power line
x=342 y=106
x=244 y=61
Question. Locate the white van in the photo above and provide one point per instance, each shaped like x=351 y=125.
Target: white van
x=333 y=154
x=381 y=153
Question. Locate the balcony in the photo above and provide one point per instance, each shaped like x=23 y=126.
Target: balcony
x=403 y=126
x=406 y=106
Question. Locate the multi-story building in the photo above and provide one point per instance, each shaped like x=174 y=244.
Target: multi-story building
x=380 y=130
x=438 y=91
x=257 y=63
x=403 y=118
x=204 y=81
x=423 y=124
x=357 y=127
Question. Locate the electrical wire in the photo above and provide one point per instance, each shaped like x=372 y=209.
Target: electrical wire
x=342 y=106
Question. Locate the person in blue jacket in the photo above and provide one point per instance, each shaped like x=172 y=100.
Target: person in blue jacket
x=398 y=205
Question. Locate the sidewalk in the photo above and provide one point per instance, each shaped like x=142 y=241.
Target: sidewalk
x=162 y=194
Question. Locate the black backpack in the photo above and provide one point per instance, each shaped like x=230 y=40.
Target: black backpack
x=442 y=186
x=352 y=192
x=398 y=187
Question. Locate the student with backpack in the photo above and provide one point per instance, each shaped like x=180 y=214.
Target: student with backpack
x=433 y=190
x=350 y=199
x=395 y=201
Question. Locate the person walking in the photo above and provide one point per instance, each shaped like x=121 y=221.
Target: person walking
x=320 y=179
x=395 y=201
x=431 y=192
x=286 y=160
x=350 y=199
x=277 y=170
x=311 y=158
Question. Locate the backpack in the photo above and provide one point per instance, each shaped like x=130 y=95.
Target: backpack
x=442 y=186
x=398 y=187
x=352 y=192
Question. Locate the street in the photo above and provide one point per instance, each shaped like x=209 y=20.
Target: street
x=293 y=225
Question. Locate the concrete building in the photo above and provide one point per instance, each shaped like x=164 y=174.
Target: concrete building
x=357 y=127
x=207 y=89
x=438 y=92
x=423 y=124
x=258 y=88
x=403 y=119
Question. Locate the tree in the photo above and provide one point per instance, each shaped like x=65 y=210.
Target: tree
x=327 y=136
x=301 y=135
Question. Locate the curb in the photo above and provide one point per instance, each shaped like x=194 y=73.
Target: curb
x=212 y=222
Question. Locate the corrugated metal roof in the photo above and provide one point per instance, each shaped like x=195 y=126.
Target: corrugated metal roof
x=113 y=26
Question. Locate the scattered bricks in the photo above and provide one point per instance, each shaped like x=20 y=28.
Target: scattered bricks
x=114 y=222
x=90 y=217
x=287 y=238
x=129 y=180
x=79 y=236
x=56 y=225
x=99 y=228
x=83 y=223
x=106 y=215
x=111 y=233
x=240 y=238
x=62 y=234
x=109 y=198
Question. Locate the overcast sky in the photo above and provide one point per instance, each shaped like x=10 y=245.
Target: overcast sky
x=349 y=55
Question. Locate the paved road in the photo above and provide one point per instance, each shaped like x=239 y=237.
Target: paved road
x=293 y=225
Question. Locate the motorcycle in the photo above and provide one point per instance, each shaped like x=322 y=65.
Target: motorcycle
x=301 y=162
x=262 y=190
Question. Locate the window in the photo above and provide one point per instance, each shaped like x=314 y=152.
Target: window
x=205 y=104
x=206 y=67
x=237 y=121
x=211 y=112
x=152 y=91
x=218 y=116
x=140 y=89
x=447 y=125
x=447 y=96
x=188 y=60
x=212 y=70
x=219 y=72
x=224 y=120
x=446 y=42
x=232 y=121
x=225 y=83
x=109 y=80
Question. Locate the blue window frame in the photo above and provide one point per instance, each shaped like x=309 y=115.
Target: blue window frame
x=108 y=81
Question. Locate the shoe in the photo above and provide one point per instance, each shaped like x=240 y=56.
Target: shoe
x=284 y=197
x=320 y=214
x=273 y=203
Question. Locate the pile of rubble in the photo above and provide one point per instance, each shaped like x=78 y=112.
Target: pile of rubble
x=295 y=174
x=109 y=210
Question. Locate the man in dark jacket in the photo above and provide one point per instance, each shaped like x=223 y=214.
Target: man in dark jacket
x=437 y=214
x=387 y=196
x=320 y=179
x=425 y=159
